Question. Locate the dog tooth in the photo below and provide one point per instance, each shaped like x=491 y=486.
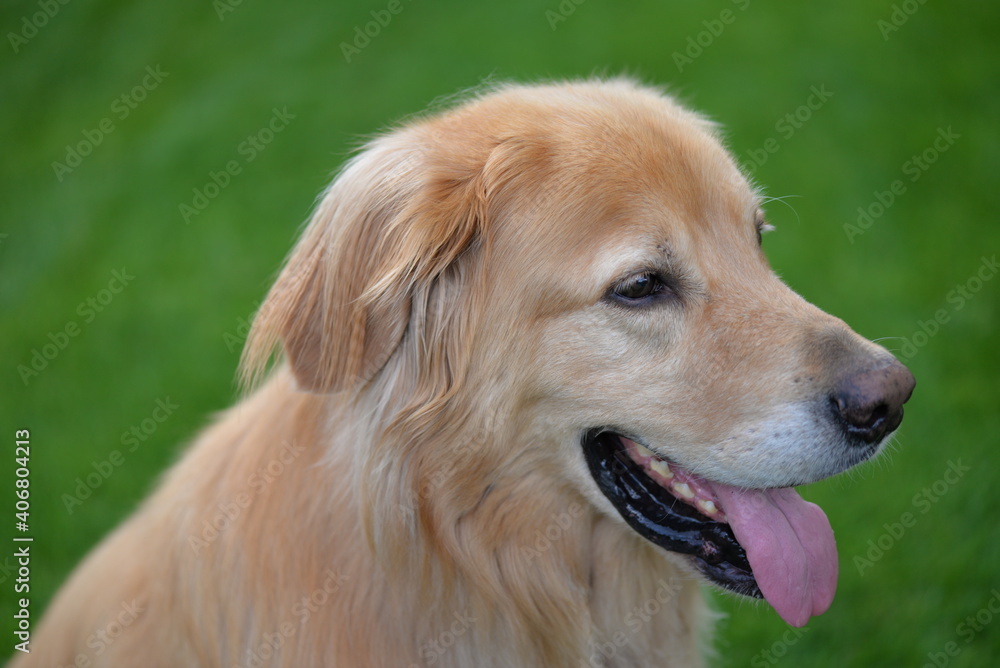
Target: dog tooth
x=644 y=451
x=684 y=490
x=661 y=467
x=708 y=506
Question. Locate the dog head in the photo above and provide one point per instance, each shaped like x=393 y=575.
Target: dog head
x=575 y=270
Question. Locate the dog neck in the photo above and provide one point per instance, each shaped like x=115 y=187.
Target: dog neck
x=460 y=530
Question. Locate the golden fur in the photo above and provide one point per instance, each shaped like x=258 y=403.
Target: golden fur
x=407 y=487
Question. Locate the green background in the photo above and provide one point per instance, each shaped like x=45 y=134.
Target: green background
x=169 y=334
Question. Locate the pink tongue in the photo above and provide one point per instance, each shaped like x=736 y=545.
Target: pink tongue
x=790 y=547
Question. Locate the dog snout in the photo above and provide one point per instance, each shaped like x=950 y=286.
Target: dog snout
x=868 y=403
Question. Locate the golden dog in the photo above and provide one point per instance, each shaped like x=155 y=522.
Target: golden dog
x=540 y=382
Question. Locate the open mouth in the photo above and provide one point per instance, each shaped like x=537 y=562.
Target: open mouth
x=762 y=543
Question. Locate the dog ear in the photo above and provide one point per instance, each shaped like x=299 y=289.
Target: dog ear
x=342 y=303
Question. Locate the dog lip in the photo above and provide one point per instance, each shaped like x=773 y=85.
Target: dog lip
x=767 y=542
x=655 y=514
x=680 y=482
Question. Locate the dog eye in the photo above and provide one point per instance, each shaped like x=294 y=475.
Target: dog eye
x=762 y=227
x=638 y=289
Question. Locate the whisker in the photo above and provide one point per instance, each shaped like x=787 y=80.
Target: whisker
x=769 y=199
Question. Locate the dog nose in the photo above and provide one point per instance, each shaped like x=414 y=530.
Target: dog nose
x=869 y=403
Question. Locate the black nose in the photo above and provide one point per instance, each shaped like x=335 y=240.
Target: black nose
x=869 y=403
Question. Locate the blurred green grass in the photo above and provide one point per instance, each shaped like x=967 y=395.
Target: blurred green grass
x=169 y=333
